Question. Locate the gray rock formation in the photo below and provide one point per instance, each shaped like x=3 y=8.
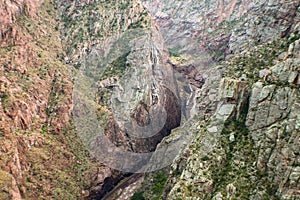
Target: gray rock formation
x=243 y=142
x=205 y=92
x=222 y=27
x=119 y=50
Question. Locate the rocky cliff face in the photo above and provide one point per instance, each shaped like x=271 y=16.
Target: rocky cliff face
x=41 y=42
x=122 y=48
x=243 y=150
x=131 y=68
x=41 y=156
x=117 y=47
x=222 y=27
x=244 y=139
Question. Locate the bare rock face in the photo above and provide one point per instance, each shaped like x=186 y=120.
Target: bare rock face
x=118 y=48
x=36 y=88
x=243 y=141
x=222 y=27
x=113 y=64
x=146 y=80
x=260 y=142
x=281 y=106
x=25 y=69
x=267 y=101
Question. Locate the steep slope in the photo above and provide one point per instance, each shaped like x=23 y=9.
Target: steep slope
x=243 y=142
x=124 y=83
x=222 y=27
x=120 y=49
x=44 y=152
x=41 y=157
x=255 y=153
x=237 y=91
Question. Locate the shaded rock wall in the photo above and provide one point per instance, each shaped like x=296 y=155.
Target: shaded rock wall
x=118 y=46
x=133 y=38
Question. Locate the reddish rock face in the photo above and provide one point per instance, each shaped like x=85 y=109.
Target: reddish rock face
x=22 y=59
x=9 y=13
x=35 y=90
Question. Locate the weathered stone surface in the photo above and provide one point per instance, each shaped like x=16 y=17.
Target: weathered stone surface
x=240 y=137
x=137 y=99
x=288 y=71
x=37 y=141
x=222 y=28
x=9 y=12
x=269 y=105
x=225 y=111
x=259 y=142
x=9 y=186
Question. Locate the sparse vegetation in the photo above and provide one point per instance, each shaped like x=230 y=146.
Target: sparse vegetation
x=52 y=164
x=205 y=158
x=138 y=196
x=5 y=101
x=117 y=67
x=237 y=166
x=44 y=129
x=258 y=58
x=159 y=183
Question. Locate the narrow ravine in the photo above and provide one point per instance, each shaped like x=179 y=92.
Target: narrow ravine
x=149 y=99
x=126 y=185
x=135 y=90
x=132 y=182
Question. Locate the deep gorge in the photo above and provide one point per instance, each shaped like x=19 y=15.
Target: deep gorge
x=200 y=97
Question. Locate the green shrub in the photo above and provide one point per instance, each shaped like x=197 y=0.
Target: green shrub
x=205 y=158
x=160 y=181
x=117 y=67
x=138 y=196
